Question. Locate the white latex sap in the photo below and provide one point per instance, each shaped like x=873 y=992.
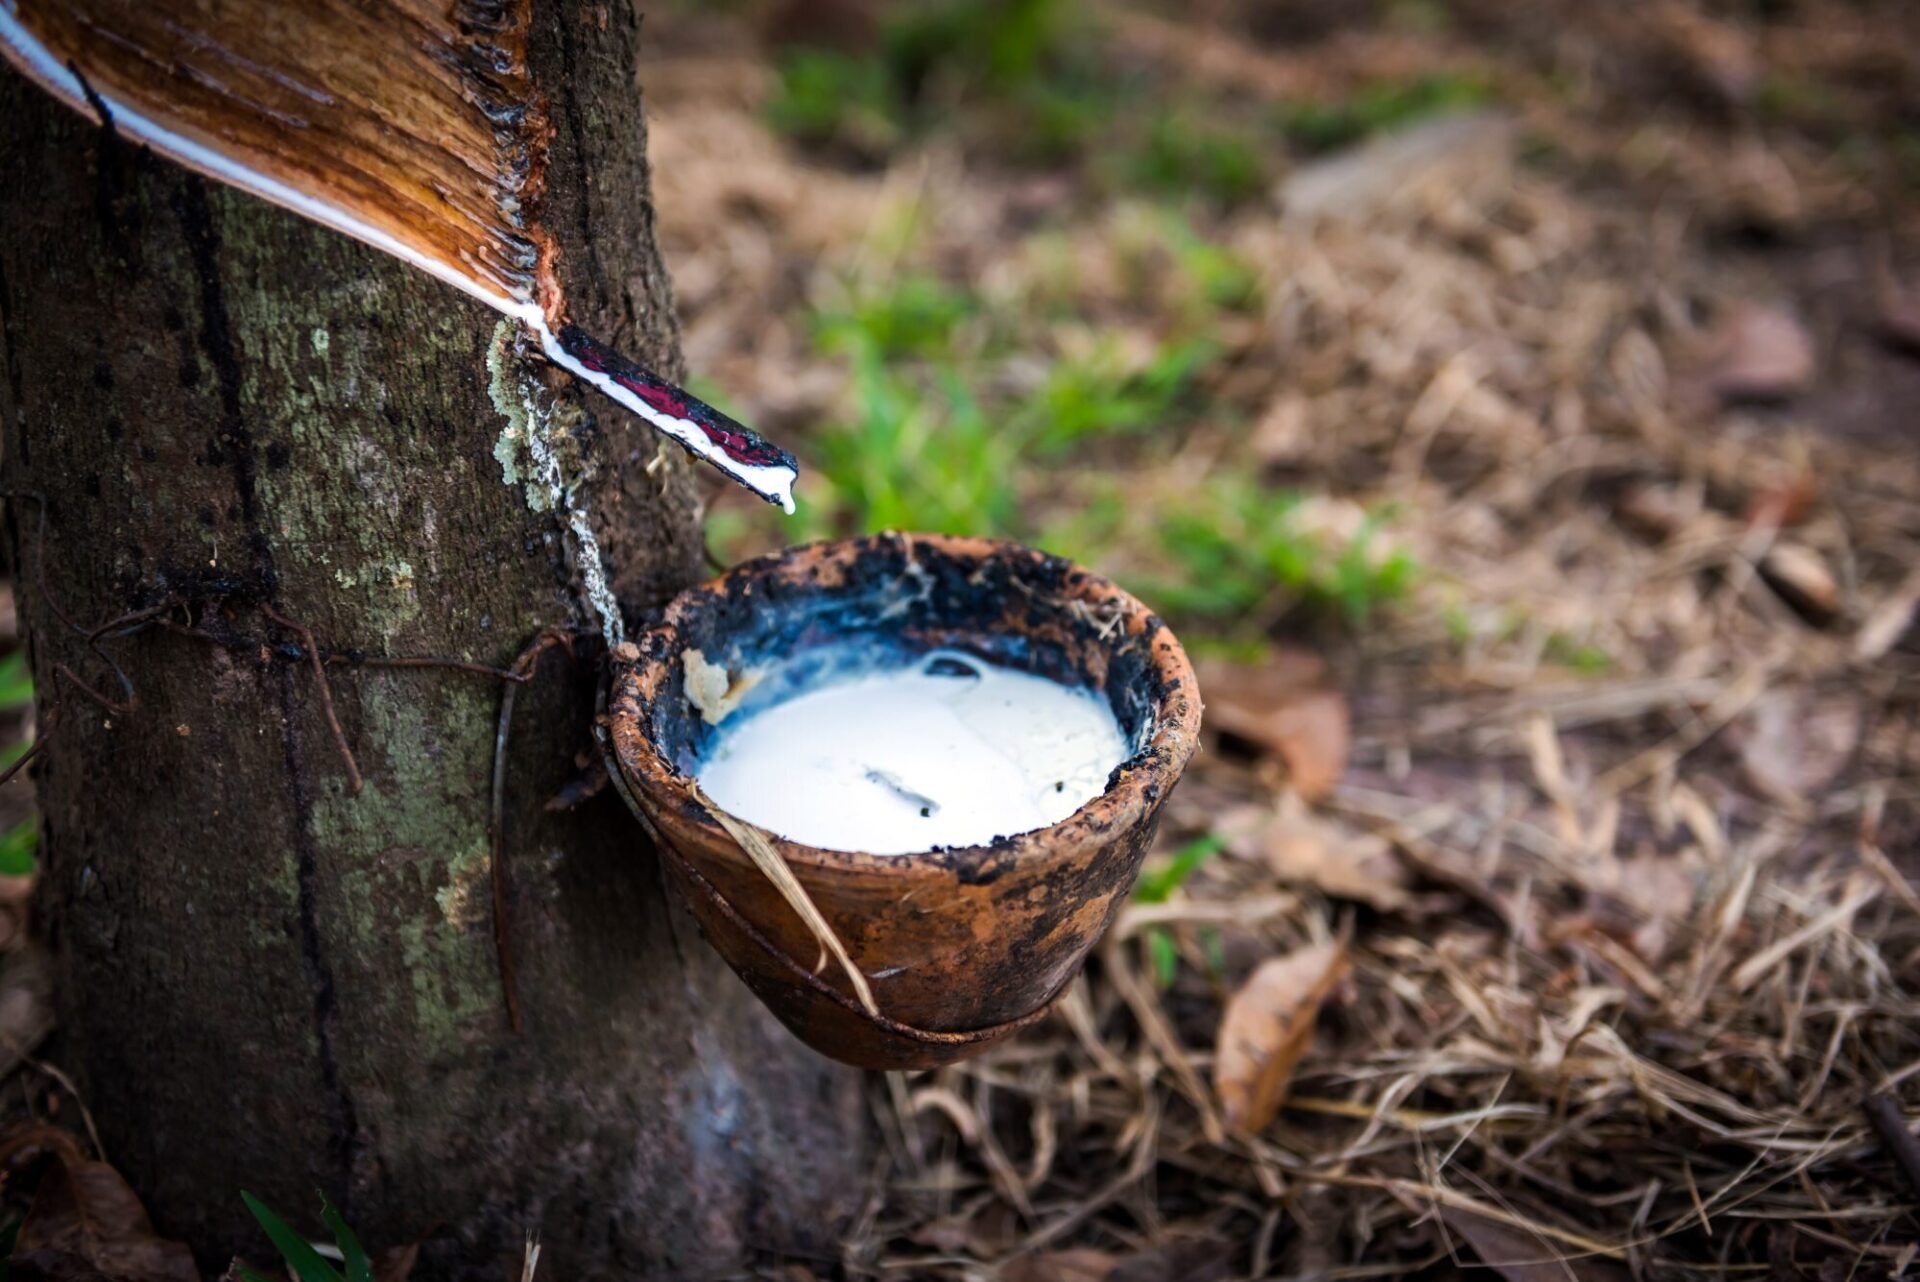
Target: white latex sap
x=952 y=751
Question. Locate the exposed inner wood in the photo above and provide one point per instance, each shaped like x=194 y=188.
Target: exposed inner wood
x=416 y=121
x=418 y=131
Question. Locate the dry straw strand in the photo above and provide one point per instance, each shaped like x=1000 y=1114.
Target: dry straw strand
x=759 y=849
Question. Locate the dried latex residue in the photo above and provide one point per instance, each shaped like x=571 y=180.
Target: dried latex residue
x=712 y=689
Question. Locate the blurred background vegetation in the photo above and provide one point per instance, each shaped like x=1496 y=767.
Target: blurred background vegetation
x=1106 y=374
x=1015 y=408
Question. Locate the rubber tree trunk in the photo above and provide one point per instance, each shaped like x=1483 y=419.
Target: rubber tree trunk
x=266 y=982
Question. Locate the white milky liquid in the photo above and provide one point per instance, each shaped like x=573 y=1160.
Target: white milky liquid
x=908 y=760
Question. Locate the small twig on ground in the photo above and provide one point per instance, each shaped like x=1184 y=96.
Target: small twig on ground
x=354 y=781
x=1891 y=1126
x=530 y=1259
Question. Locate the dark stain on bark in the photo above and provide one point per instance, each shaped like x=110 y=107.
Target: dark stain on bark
x=234 y=440
x=234 y=445
x=116 y=200
x=343 y=1129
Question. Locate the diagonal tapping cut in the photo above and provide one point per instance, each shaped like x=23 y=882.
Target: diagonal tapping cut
x=433 y=151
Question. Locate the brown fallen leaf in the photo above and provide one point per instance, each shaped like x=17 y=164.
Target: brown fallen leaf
x=395 y=1264
x=1656 y=886
x=1756 y=189
x=1077 y=1265
x=1661 y=511
x=1792 y=743
x=1896 y=620
x=1784 y=504
x=1300 y=846
x=1266 y=1028
x=1755 y=354
x=86 y=1223
x=1800 y=577
x=1637 y=900
x=1899 y=317
x=1282 y=435
x=1714 y=59
x=1520 y=1256
x=31 y=1141
x=1284 y=707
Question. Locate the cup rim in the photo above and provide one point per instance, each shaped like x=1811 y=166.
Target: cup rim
x=1140 y=783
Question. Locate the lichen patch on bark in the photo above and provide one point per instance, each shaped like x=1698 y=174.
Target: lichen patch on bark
x=554 y=472
x=510 y=447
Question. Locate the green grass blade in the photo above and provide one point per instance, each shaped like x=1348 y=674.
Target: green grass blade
x=16 y=682
x=17 y=847
x=1165 y=954
x=359 y=1267
x=1157 y=886
x=306 y=1263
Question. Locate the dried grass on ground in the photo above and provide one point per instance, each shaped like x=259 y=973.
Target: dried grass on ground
x=1620 y=858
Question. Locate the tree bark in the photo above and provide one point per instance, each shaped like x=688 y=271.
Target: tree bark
x=267 y=982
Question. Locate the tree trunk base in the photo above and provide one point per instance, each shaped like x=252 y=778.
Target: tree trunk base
x=268 y=982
